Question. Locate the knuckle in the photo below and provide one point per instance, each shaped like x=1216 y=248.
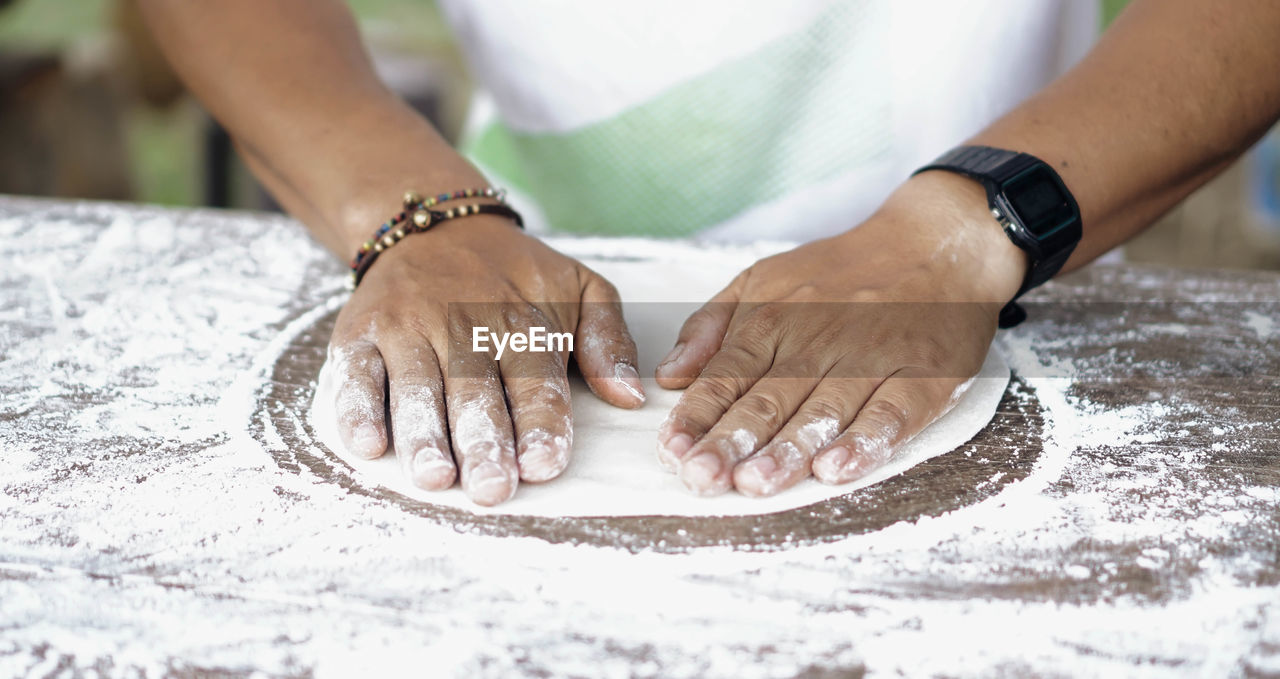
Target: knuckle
x=933 y=355
x=747 y=350
x=518 y=317
x=867 y=295
x=763 y=319
x=539 y=393
x=706 y=400
x=717 y=391
x=520 y=389
x=514 y=316
x=803 y=367
x=739 y=282
x=471 y=390
x=537 y=316
x=891 y=414
x=419 y=326
x=459 y=321
x=764 y=407
x=821 y=409
x=804 y=291
x=354 y=322
x=351 y=340
x=359 y=330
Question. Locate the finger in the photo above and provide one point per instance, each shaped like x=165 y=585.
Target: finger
x=360 y=400
x=416 y=392
x=605 y=352
x=901 y=407
x=749 y=422
x=733 y=371
x=701 y=405
x=699 y=339
x=480 y=425
x=786 y=459
x=537 y=390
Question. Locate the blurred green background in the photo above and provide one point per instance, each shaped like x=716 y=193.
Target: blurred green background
x=162 y=143
x=86 y=109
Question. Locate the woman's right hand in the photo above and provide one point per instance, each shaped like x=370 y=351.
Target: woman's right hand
x=399 y=347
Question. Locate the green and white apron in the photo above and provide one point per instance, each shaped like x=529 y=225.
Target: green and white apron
x=734 y=120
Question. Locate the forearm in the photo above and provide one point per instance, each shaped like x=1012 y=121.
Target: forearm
x=291 y=81
x=1173 y=92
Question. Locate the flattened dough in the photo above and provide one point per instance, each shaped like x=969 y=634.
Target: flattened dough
x=614 y=471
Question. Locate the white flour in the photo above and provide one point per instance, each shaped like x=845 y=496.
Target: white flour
x=143 y=530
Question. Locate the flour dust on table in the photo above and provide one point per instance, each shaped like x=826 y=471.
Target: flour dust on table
x=614 y=470
x=165 y=509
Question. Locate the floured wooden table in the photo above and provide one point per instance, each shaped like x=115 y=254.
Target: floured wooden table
x=165 y=510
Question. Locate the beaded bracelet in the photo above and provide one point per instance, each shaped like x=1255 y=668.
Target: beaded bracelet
x=413 y=200
x=422 y=219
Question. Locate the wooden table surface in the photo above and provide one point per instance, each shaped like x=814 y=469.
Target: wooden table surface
x=167 y=510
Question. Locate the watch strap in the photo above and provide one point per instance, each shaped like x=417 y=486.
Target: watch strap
x=992 y=167
x=1038 y=273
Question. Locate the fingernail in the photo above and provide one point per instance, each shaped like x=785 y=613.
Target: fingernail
x=763 y=467
x=674 y=449
x=673 y=355
x=627 y=377
x=699 y=473
x=540 y=463
x=758 y=476
x=827 y=466
x=488 y=484
x=366 y=441
x=431 y=471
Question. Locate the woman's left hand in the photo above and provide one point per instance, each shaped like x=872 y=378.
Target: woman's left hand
x=828 y=358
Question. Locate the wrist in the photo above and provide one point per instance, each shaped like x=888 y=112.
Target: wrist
x=953 y=222
x=387 y=204
x=419 y=217
x=353 y=178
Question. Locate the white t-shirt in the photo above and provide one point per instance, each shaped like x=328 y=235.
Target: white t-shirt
x=733 y=121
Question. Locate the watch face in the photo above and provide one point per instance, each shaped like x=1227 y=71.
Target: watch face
x=1040 y=201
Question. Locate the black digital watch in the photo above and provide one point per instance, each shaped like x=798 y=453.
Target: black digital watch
x=1032 y=205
